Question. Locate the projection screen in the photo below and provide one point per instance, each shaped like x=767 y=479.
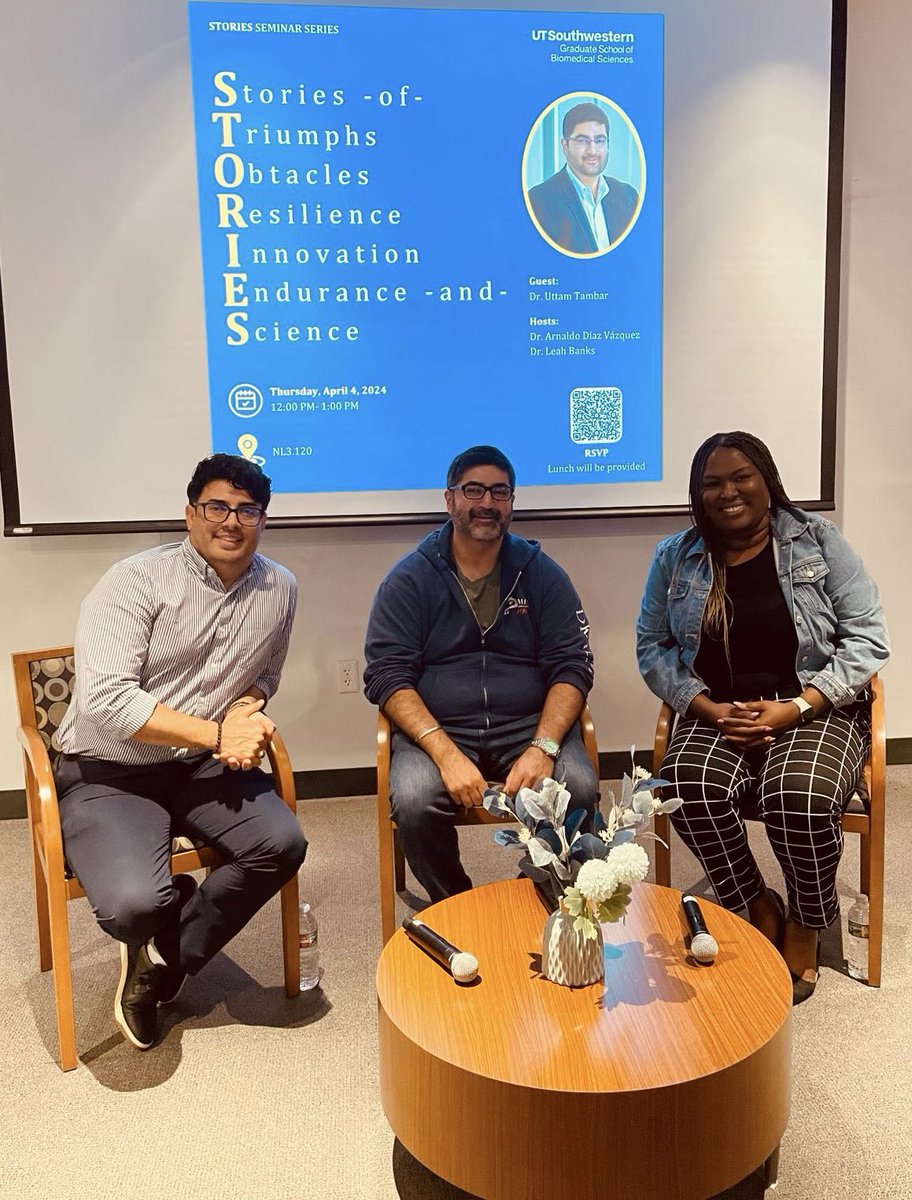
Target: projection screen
x=348 y=242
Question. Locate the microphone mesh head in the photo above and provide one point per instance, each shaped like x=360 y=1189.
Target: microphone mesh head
x=463 y=967
x=704 y=947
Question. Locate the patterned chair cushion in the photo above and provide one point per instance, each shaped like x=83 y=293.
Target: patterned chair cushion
x=52 y=690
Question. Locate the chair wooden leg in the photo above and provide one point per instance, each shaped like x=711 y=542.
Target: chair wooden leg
x=399 y=861
x=63 y=976
x=875 y=893
x=387 y=870
x=864 y=863
x=662 y=827
x=291 y=933
x=42 y=915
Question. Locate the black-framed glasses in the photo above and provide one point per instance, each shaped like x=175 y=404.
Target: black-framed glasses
x=474 y=490
x=217 y=512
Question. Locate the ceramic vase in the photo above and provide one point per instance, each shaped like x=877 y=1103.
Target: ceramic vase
x=567 y=956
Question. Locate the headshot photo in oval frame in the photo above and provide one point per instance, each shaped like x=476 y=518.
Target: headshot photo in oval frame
x=583 y=174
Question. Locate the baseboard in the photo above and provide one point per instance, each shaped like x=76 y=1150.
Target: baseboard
x=362 y=781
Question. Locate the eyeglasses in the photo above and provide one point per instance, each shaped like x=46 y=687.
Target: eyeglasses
x=583 y=143
x=217 y=512
x=473 y=490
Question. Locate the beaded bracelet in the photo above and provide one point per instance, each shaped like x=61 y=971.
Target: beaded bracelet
x=218 y=739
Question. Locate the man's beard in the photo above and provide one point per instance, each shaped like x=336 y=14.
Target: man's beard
x=465 y=523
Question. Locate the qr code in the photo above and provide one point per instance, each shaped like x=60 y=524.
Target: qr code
x=595 y=414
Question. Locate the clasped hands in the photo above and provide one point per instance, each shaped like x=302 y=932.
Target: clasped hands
x=466 y=784
x=246 y=733
x=755 y=724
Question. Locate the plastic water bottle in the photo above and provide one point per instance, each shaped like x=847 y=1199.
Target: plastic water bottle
x=310 y=951
x=857 y=939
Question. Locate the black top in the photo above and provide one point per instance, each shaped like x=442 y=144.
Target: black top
x=762 y=641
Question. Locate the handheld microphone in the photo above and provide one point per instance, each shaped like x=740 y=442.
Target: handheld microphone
x=703 y=946
x=463 y=967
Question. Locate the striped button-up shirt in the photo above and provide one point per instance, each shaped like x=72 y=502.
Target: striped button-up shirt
x=161 y=628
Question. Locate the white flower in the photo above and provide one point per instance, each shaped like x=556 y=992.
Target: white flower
x=630 y=863
x=597 y=879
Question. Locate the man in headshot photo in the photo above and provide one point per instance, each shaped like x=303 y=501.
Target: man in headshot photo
x=580 y=208
x=477 y=650
x=178 y=650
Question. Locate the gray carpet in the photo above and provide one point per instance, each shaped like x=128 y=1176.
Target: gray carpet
x=251 y=1095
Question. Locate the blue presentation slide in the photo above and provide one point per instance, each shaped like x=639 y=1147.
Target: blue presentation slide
x=424 y=229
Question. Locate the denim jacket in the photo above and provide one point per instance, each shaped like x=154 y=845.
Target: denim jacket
x=834 y=603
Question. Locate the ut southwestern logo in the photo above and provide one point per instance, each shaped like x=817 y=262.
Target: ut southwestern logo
x=245 y=400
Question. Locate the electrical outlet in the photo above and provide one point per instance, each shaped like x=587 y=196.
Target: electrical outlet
x=347 y=675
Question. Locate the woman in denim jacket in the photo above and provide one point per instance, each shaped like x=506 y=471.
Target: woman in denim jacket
x=761 y=628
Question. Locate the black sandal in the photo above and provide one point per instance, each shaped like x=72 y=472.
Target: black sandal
x=803 y=989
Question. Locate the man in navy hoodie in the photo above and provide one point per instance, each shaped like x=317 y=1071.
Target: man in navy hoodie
x=478 y=651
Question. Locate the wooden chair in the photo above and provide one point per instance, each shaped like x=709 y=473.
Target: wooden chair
x=392 y=860
x=44 y=683
x=864 y=816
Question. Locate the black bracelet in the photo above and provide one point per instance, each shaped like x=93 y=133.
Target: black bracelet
x=218 y=739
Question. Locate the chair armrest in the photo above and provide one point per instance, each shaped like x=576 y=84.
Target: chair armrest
x=878 y=755
x=587 y=731
x=40 y=765
x=282 y=773
x=41 y=794
x=383 y=757
x=662 y=733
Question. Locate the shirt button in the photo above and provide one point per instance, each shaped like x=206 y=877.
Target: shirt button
x=798 y=621
x=809 y=571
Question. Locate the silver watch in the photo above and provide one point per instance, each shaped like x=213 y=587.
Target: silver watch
x=548 y=745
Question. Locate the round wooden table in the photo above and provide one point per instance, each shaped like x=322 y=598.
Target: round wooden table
x=670 y=1081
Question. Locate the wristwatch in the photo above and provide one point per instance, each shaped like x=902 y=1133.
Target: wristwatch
x=805 y=710
x=548 y=745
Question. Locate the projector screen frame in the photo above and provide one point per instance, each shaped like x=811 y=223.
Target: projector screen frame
x=14 y=526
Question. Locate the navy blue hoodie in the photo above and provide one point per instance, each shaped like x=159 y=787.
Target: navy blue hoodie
x=423 y=634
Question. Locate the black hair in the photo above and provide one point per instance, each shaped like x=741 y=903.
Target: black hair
x=241 y=473
x=479 y=456
x=580 y=114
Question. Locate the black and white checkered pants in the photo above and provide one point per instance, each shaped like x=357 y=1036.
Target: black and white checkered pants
x=799 y=788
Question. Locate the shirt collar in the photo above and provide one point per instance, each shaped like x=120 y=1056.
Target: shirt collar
x=585 y=193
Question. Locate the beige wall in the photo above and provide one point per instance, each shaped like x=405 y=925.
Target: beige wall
x=44 y=579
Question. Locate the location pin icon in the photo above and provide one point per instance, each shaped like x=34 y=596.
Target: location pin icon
x=247 y=443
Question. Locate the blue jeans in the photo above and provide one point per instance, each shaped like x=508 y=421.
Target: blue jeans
x=118 y=822
x=425 y=814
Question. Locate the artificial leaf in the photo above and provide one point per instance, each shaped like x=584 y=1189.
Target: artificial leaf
x=587 y=845
x=538 y=874
x=495 y=801
x=541 y=854
x=622 y=836
x=643 y=803
x=506 y=837
x=613 y=908
x=586 y=926
x=650 y=784
x=550 y=837
x=527 y=806
x=670 y=806
x=574 y=822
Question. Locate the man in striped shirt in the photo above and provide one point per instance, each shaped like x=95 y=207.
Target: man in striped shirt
x=178 y=649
